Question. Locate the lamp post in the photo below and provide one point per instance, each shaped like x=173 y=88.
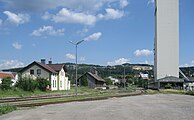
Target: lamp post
x=76 y=44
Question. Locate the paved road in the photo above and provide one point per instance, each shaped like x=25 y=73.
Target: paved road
x=145 y=107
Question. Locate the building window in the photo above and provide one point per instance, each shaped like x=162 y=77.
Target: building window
x=61 y=83
x=53 y=83
x=38 y=71
x=31 y=72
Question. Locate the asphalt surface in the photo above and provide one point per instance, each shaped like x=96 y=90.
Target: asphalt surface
x=144 y=107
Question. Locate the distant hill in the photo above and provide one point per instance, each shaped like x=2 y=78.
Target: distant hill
x=188 y=71
x=12 y=70
x=106 y=71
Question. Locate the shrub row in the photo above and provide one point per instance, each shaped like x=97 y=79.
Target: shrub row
x=26 y=84
x=6 y=108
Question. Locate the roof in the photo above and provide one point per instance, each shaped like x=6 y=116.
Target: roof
x=45 y=66
x=98 y=78
x=52 y=68
x=3 y=75
x=57 y=67
x=170 y=79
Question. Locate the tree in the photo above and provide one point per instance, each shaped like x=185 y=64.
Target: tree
x=27 y=84
x=6 y=83
x=42 y=84
x=84 y=81
x=108 y=81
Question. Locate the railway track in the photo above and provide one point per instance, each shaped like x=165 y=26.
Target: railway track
x=77 y=100
x=17 y=101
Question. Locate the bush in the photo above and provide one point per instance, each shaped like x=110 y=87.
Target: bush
x=6 y=108
x=108 y=81
x=6 y=83
x=42 y=84
x=168 y=86
x=26 y=84
x=84 y=82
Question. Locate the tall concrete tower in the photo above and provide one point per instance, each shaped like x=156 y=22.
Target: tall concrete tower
x=166 y=59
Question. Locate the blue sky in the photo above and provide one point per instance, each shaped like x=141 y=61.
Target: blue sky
x=115 y=31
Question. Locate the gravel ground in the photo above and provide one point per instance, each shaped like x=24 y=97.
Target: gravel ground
x=145 y=107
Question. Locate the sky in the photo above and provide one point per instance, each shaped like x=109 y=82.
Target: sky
x=115 y=31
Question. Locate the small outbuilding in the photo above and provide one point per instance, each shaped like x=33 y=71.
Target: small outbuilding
x=91 y=80
x=176 y=82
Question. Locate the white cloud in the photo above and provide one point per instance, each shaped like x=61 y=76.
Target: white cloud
x=68 y=16
x=150 y=2
x=48 y=30
x=83 y=31
x=111 y=14
x=188 y=64
x=94 y=36
x=143 y=52
x=147 y=62
x=70 y=56
x=85 y=18
x=192 y=62
x=46 y=16
x=123 y=3
x=119 y=61
x=1 y=22
x=17 y=18
x=184 y=65
x=82 y=58
x=17 y=45
x=43 y=5
x=6 y=64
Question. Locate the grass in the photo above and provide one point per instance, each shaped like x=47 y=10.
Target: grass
x=21 y=93
x=15 y=92
x=70 y=98
x=165 y=91
x=190 y=93
x=4 y=109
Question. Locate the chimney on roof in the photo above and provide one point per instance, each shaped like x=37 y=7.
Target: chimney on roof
x=49 y=62
x=43 y=61
x=93 y=70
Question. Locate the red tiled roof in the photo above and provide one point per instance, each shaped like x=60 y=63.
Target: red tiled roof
x=47 y=67
x=56 y=67
x=3 y=75
x=53 y=68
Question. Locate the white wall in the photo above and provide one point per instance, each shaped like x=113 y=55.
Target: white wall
x=54 y=82
x=167 y=39
x=64 y=84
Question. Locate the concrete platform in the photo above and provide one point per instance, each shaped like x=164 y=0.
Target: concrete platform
x=144 y=107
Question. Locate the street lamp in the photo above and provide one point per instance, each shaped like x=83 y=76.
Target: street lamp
x=76 y=44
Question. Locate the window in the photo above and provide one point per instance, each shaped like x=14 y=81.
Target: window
x=53 y=83
x=31 y=72
x=61 y=83
x=38 y=71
